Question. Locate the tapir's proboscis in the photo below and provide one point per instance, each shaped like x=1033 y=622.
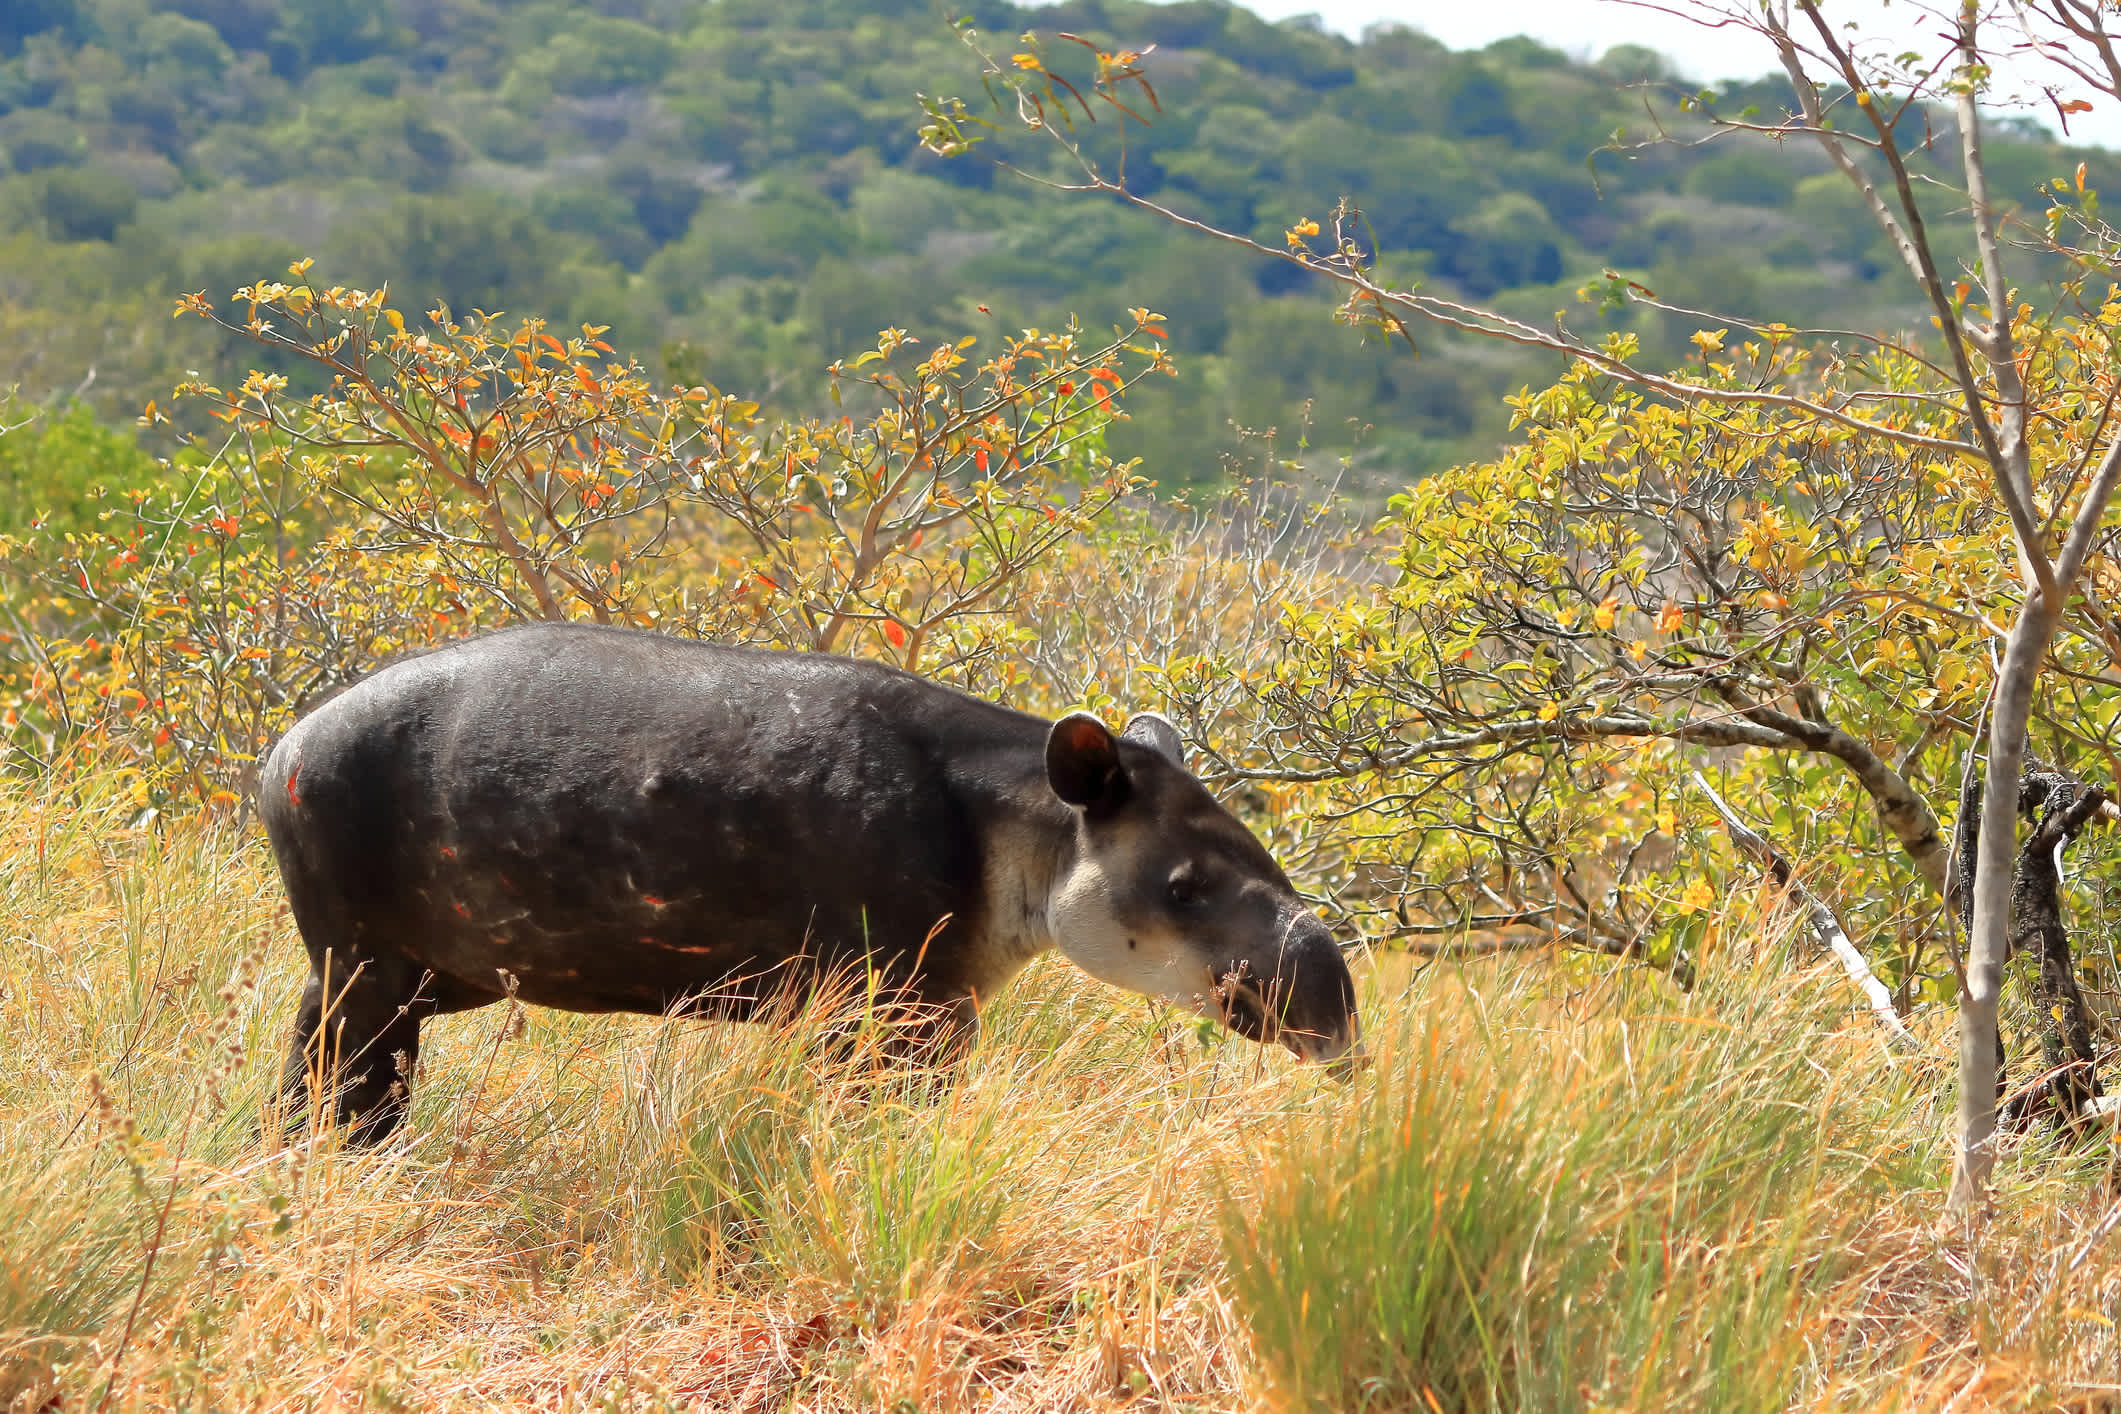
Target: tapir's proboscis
x=603 y=819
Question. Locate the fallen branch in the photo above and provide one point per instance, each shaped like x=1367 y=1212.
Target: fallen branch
x=1576 y=938
x=1679 y=969
x=1818 y=917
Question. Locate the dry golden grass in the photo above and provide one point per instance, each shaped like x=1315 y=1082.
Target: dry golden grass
x=626 y=1213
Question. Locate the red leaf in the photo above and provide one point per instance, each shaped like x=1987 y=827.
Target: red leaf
x=896 y=634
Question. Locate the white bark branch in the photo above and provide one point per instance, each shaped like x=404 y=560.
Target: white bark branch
x=1819 y=919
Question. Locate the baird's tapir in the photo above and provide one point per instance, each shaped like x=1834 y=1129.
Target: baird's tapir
x=606 y=820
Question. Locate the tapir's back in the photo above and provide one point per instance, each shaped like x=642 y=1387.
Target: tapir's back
x=620 y=820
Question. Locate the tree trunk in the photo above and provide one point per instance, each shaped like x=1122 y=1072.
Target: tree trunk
x=2060 y=807
x=1959 y=896
x=1989 y=944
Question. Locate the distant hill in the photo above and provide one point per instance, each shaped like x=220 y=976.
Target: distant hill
x=736 y=188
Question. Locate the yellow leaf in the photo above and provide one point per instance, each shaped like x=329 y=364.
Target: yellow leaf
x=1698 y=896
x=1603 y=614
x=1549 y=712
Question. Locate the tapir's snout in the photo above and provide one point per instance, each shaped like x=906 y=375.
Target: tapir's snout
x=1302 y=996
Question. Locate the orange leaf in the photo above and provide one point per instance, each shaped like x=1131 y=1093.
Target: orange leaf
x=896 y=634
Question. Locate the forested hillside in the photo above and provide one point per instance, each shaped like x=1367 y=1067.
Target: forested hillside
x=737 y=189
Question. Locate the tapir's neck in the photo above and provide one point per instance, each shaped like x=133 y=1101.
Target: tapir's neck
x=1028 y=842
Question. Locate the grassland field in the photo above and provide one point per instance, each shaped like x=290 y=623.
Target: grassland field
x=1561 y=1186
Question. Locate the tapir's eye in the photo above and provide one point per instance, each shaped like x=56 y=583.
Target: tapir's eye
x=1185 y=889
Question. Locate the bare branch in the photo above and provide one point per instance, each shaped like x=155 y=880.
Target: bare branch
x=1819 y=919
x=1712 y=731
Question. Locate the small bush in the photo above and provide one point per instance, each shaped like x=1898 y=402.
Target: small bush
x=86 y=203
x=67 y=465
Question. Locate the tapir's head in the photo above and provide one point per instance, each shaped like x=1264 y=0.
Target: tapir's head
x=1169 y=896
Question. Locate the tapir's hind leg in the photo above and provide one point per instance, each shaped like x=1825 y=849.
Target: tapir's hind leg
x=357 y=1038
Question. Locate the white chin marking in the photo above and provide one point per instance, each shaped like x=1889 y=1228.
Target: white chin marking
x=1090 y=935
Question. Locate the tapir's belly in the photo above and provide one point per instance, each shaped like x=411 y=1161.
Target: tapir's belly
x=595 y=894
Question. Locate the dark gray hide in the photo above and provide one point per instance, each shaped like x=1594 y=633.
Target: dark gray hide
x=617 y=821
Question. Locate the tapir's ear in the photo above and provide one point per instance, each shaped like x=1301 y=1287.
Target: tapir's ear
x=1154 y=730
x=1082 y=762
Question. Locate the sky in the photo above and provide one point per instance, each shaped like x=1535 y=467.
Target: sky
x=1587 y=28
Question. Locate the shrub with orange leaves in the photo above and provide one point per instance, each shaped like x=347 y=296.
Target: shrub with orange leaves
x=450 y=472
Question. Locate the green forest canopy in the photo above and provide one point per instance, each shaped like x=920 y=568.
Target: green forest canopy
x=735 y=186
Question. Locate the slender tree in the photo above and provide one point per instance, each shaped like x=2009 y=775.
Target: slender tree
x=1982 y=388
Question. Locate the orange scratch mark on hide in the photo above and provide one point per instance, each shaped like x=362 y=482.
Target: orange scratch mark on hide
x=677 y=947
